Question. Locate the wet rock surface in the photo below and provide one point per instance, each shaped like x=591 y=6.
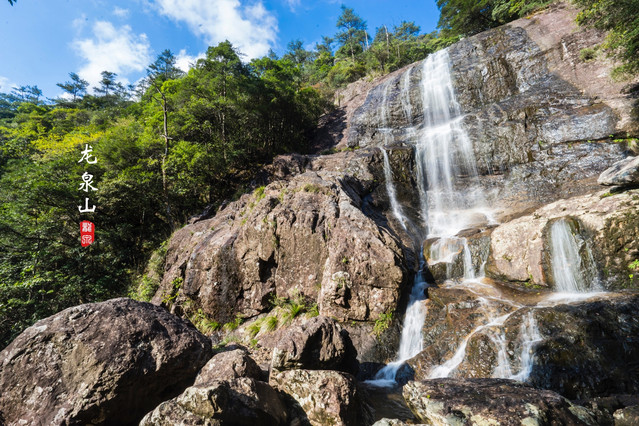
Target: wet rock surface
x=108 y=362
x=490 y=401
x=588 y=349
x=325 y=397
x=537 y=119
x=453 y=314
x=609 y=221
x=319 y=344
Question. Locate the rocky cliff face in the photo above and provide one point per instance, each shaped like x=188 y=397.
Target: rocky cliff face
x=539 y=117
x=544 y=124
x=308 y=235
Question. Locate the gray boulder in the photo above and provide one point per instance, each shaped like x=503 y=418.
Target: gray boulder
x=490 y=401
x=324 y=397
x=318 y=344
x=101 y=363
x=623 y=173
x=228 y=366
x=242 y=401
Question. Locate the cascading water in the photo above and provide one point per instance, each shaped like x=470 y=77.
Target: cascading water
x=388 y=175
x=444 y=158
x=573 y=271
x=529 y=336
x=451 y=200
x=390 y=189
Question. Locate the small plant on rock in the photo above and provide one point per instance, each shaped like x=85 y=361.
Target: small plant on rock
x=383 y=322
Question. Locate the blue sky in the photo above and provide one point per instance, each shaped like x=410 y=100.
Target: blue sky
x=42 y=41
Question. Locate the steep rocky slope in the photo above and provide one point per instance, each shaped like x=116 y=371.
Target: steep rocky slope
x=312 y=272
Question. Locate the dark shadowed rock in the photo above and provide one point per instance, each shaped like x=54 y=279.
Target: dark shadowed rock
x=318 y=344
x=589 y=348
x=229 y=365
x=101 y=363
x=241 y=401
x=490 y=401
x=627 y=416
x=622 y=173
x=326 y=397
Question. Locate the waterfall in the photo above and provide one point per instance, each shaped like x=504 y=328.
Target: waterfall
x=445 y=161
x=450 y=199
x=390 y=189
x=573 y=271
x=388 y=174
x=410 y=342
x=529 y=336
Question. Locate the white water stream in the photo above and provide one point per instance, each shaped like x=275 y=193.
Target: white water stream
x=443 y=156
x=573 y=273
x=451 y=200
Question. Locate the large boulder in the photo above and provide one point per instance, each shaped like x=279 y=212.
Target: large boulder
x=318 y=344
x=307 y=236
x=324 y=396
x=627 y=416
x=623 y=173
x=490 y=402
x=229 y=365
x=587 y=349
x=241 y=401
x=102 y=363
x=607 y=223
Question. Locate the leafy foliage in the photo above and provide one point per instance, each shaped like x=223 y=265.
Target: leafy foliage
x=621 y=18
x=462 y=18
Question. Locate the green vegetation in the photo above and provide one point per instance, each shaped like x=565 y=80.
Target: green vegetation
x=283 y=311
x=621 y=19
x=182 y=141
x=587 y=54
x=203 y=322
x=233 y=325
x=383 y=322
x=463 y=18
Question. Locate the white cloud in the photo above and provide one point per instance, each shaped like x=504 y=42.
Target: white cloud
x=292 y=4
x=250 y=27
x=113 y=49
x=185 y=62
x=80 y=22
x=120 y=12
x=6 y=85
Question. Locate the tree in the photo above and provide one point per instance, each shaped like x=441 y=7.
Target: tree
x=464 y=18
x=353 y=35
x=110 y=87
x=296 y=53
x=159 y=72
x=325 y=45
x=406 y=31
x=77 y=87
x=27 y=94
x=621 y=18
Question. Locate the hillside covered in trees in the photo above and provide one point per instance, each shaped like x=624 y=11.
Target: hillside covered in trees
x=180 y=142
